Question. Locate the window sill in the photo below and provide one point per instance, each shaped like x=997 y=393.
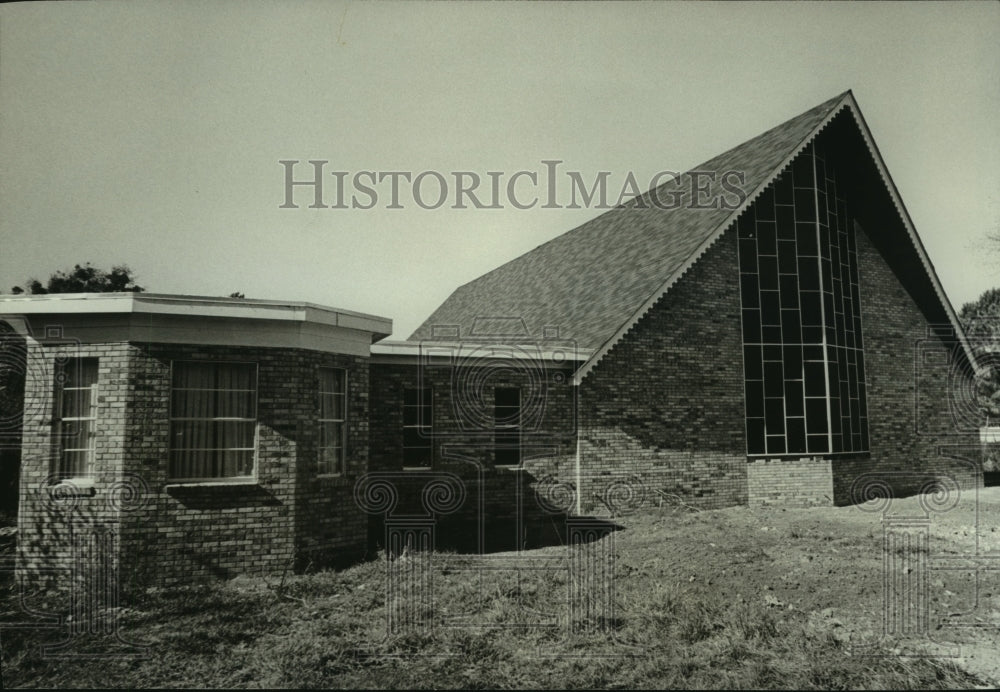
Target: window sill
x=333 y=480
x=808 y=456
x=211 y=484
x=74 y=487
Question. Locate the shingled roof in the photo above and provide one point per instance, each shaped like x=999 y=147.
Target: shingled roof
x=595 y=281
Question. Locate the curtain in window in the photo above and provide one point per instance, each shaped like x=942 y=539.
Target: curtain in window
x=213 y=413
x=76 y=415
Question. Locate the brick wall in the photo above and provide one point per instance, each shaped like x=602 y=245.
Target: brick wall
x=663 y=411
x=51 y=521
x=288 y=517
x=799 y=482
x=501 y=500
x=659 y=419
x=915 y=388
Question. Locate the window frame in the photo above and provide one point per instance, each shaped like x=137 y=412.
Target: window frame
x=419 y=425
x=58 y=419
x=214 y=480
x=514 y=438
x=815 y=352
x=319 y=470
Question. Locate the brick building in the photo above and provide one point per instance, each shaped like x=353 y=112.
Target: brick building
x=202 y=436
x=765 y=328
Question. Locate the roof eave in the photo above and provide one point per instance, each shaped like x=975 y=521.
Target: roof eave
x=697 y=254
x=904 y=215
x=847 y=100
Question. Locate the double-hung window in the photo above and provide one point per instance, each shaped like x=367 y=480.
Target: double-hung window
x=75 y=416
x=331 y=457
x=213 y=421
x=418 y=425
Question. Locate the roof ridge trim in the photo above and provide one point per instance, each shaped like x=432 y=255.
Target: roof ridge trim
x=904 y=215
x=845 y=100
x=848 y=101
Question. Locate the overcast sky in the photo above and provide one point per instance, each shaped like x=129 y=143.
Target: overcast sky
x=151 y=133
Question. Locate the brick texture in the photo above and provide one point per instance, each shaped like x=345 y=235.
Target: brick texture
x=659 y=419
x=289 y=517
x=501 y=501
x=51 y=522
x=917 y=387
x=795 y=482
x=662 y=412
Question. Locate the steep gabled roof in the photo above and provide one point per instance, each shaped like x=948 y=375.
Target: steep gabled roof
x=596 y=281
x=590 y=280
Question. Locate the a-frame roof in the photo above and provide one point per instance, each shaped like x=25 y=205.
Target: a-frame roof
x=597 y=280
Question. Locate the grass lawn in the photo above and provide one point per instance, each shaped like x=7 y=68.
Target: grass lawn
x=734 y=598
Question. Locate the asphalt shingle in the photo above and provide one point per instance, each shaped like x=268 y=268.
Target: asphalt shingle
x=592 y=279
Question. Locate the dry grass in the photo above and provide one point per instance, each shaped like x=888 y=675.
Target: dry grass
x=676 y=625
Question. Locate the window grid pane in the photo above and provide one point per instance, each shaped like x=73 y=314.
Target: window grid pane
x=418 y=424
x=75 y=416
x=331 y=454
x=213 y=424
x=803 y=357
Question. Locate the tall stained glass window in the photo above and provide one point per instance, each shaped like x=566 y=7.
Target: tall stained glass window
x=802 y=352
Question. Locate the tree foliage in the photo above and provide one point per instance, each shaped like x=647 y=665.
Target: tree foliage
x=13 y=352
x=79 y=279
x=84 y=279
x=981 y=321
x=981 y=318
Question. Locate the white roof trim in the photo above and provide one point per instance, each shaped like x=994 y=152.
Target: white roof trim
x=192 y=306
x=481 y=348
x=696 y=255
x=850 y=103
x=897 y=200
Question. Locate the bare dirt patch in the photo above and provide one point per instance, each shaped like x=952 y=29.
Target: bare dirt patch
x=833 y=565
x=747 y=598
